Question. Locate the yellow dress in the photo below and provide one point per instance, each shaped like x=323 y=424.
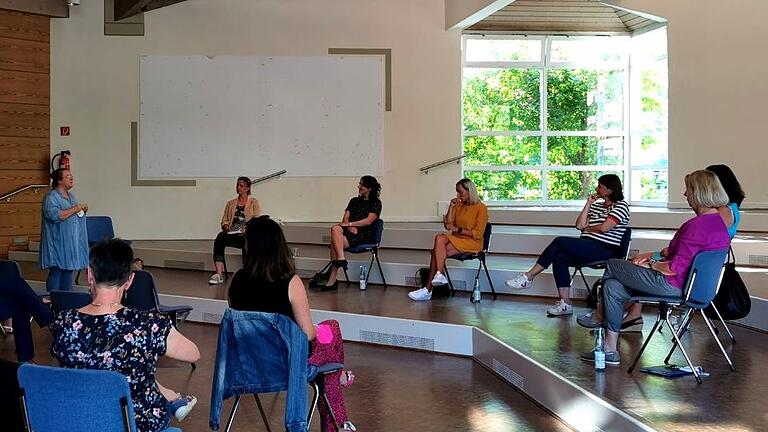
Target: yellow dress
x=469 y=217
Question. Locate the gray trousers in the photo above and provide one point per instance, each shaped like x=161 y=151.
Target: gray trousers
x=623 y=280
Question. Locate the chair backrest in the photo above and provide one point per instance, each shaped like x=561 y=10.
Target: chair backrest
x=9 y=269
x=626 y=242
x=705 y=275
x=378 y=230
x=63 y=300
x=59 y=399
x=142 y=294
x=99 y=228
x=9 y=396
x=487 y=236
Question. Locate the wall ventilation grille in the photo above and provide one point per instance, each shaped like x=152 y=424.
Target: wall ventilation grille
x=508 y=374
x=758 y=260
x=397 y=340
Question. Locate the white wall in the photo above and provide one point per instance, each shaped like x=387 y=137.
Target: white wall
x=95 y=79
x=717 y=89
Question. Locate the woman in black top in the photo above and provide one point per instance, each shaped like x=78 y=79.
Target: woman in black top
x=356 y=227
x=269 y=283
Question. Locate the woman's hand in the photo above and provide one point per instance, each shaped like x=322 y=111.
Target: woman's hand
x=352 y=229
x=592 y=198
x=84 y=207
x=642 y=258
x=225 y=227
x=451 y=227
x=455 y=201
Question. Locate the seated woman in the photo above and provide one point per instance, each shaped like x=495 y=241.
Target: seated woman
x=269 y=283
x=633 y=321
x=465 y=221
x=644 y=276
x=602 y=222
x=355 y=227
x=237 y=213
x=105 y=335
x=18 y=301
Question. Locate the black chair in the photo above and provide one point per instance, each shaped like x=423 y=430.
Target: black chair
x=65 y=300
x=593 y=294
x=373 y=248
x=9 y=269
x=478 y=256
x=10 y=393
x=242 y=251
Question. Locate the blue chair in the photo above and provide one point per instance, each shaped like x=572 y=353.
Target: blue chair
x=64 y=400
x=480 y=256
x=594 y=294
x=65 y=300
x=704 y=278
x=265 y=353
x=10 y=394
x=98 y=228
x=373 y=248
x=9 y=269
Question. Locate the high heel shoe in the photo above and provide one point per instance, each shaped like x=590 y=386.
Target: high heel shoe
x=340 y=264
x=332 y=287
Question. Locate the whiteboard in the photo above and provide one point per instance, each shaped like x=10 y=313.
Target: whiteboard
x=226 y=116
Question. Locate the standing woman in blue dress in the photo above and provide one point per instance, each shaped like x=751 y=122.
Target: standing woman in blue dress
x=63 y=237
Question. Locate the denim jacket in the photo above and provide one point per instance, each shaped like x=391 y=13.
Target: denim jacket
x=261 y=353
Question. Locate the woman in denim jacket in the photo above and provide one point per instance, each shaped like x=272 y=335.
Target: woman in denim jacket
x=269 y=283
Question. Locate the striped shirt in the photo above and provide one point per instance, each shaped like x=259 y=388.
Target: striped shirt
x=599 y=212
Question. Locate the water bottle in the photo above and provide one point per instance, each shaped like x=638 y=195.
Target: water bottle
x=476 y=295
x=599 y=353
x=363 y=271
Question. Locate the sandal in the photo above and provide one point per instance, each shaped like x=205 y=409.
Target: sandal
x=348 y=426
x=347 y=378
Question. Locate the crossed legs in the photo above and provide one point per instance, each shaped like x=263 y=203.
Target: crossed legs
x=442 y=249
x=338 y=244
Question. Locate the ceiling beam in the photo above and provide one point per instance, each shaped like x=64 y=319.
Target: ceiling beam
x=463 y=13
x=129 y=8
x=51 y=8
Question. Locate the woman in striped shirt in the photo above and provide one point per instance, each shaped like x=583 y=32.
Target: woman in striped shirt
x=602 y=222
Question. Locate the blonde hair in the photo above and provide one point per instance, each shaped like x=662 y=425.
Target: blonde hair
x=704 y=190
x=467 y=184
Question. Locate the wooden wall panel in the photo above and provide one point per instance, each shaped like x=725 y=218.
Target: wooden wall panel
x=24 y=87
x=24 y=26
x=24 y=55
x=24 y=153
x=14 y=179
x=20 y=120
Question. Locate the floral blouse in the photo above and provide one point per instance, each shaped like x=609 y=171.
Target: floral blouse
x=128 y=341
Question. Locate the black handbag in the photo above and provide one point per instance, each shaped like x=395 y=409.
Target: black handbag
x=732 y=299
x=320 y=278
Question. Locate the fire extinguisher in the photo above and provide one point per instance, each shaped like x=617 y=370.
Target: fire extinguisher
x=64 y=160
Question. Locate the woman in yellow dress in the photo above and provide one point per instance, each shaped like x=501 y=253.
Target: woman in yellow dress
x=465 y=222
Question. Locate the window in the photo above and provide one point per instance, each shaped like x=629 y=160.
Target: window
x=544 y=116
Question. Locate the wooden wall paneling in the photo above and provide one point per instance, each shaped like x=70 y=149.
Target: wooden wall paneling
x=19 y=219
x=19 y=120
x=28 y=196
x=14 y=179
x=24 y=87
x=24 y=153
x=19 y=25
x=24 y=55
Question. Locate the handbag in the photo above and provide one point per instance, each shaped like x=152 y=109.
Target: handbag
x=320 y=278
x=732 y=299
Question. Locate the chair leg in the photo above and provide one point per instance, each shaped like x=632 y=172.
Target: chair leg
x=346 y=275
x=330 y=410
x=685 y=354
x=683 y=327
x=226 y=272
x=315 y=397
x=488 y=275
x=261 y=411
x=722 y=321
x=720 y=345
x=381 y=271
x=77 y=278
x=648 y=339
x=370 y=269
x=232 y=416
x=450 y=282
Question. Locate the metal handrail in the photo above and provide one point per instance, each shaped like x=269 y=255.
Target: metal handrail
x=7 y=197
x=269 y=176
x=457 y=159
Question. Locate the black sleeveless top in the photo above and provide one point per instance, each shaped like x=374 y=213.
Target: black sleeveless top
x=249 y=294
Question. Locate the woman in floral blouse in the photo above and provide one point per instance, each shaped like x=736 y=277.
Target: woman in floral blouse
x=106 y=335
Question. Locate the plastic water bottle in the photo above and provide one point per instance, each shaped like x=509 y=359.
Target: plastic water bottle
x=476 y=295
x=363 y=272
x=599 y=353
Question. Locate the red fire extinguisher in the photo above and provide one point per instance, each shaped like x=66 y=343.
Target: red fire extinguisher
x=64 y=160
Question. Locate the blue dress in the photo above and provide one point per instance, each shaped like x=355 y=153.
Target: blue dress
x=736 y=219
x=63 y=243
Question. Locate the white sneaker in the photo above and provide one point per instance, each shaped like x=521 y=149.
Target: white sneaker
x=216 y=279
x=421 y=294
x=560 y=308
x=439 y=279
x=520 y=281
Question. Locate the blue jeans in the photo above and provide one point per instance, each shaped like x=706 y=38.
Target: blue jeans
x=59 y=279
x=565 y=252
x=19 y=301
x=623 y=280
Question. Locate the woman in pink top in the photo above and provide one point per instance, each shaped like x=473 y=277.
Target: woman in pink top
x=644 y=276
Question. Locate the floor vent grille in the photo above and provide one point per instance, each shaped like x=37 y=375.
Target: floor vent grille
x=397 y=340
x=212 y=318
x=185 y=265
x=758 y=260
x=508 y=374
x=325 y=239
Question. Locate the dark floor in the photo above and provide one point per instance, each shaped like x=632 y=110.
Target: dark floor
x=394 y=390
x=726 y=401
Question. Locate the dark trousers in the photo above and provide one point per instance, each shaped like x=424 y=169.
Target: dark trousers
x=565 y=252
x=18 y=301
x=224 y=240
x=59 y=279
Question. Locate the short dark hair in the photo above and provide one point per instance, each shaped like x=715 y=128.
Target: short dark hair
x=110 y=262
x=730 y=183
x=371 y=183
x=247 y=182
x=267 y=255
x=56 y=176
x=612 y=182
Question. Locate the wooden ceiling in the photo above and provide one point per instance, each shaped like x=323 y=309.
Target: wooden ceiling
x=564 y=16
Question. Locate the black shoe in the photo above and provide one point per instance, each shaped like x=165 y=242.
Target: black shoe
x=340 y=264
x=333 y=287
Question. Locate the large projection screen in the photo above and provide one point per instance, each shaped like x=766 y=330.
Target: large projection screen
x=226 y=116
